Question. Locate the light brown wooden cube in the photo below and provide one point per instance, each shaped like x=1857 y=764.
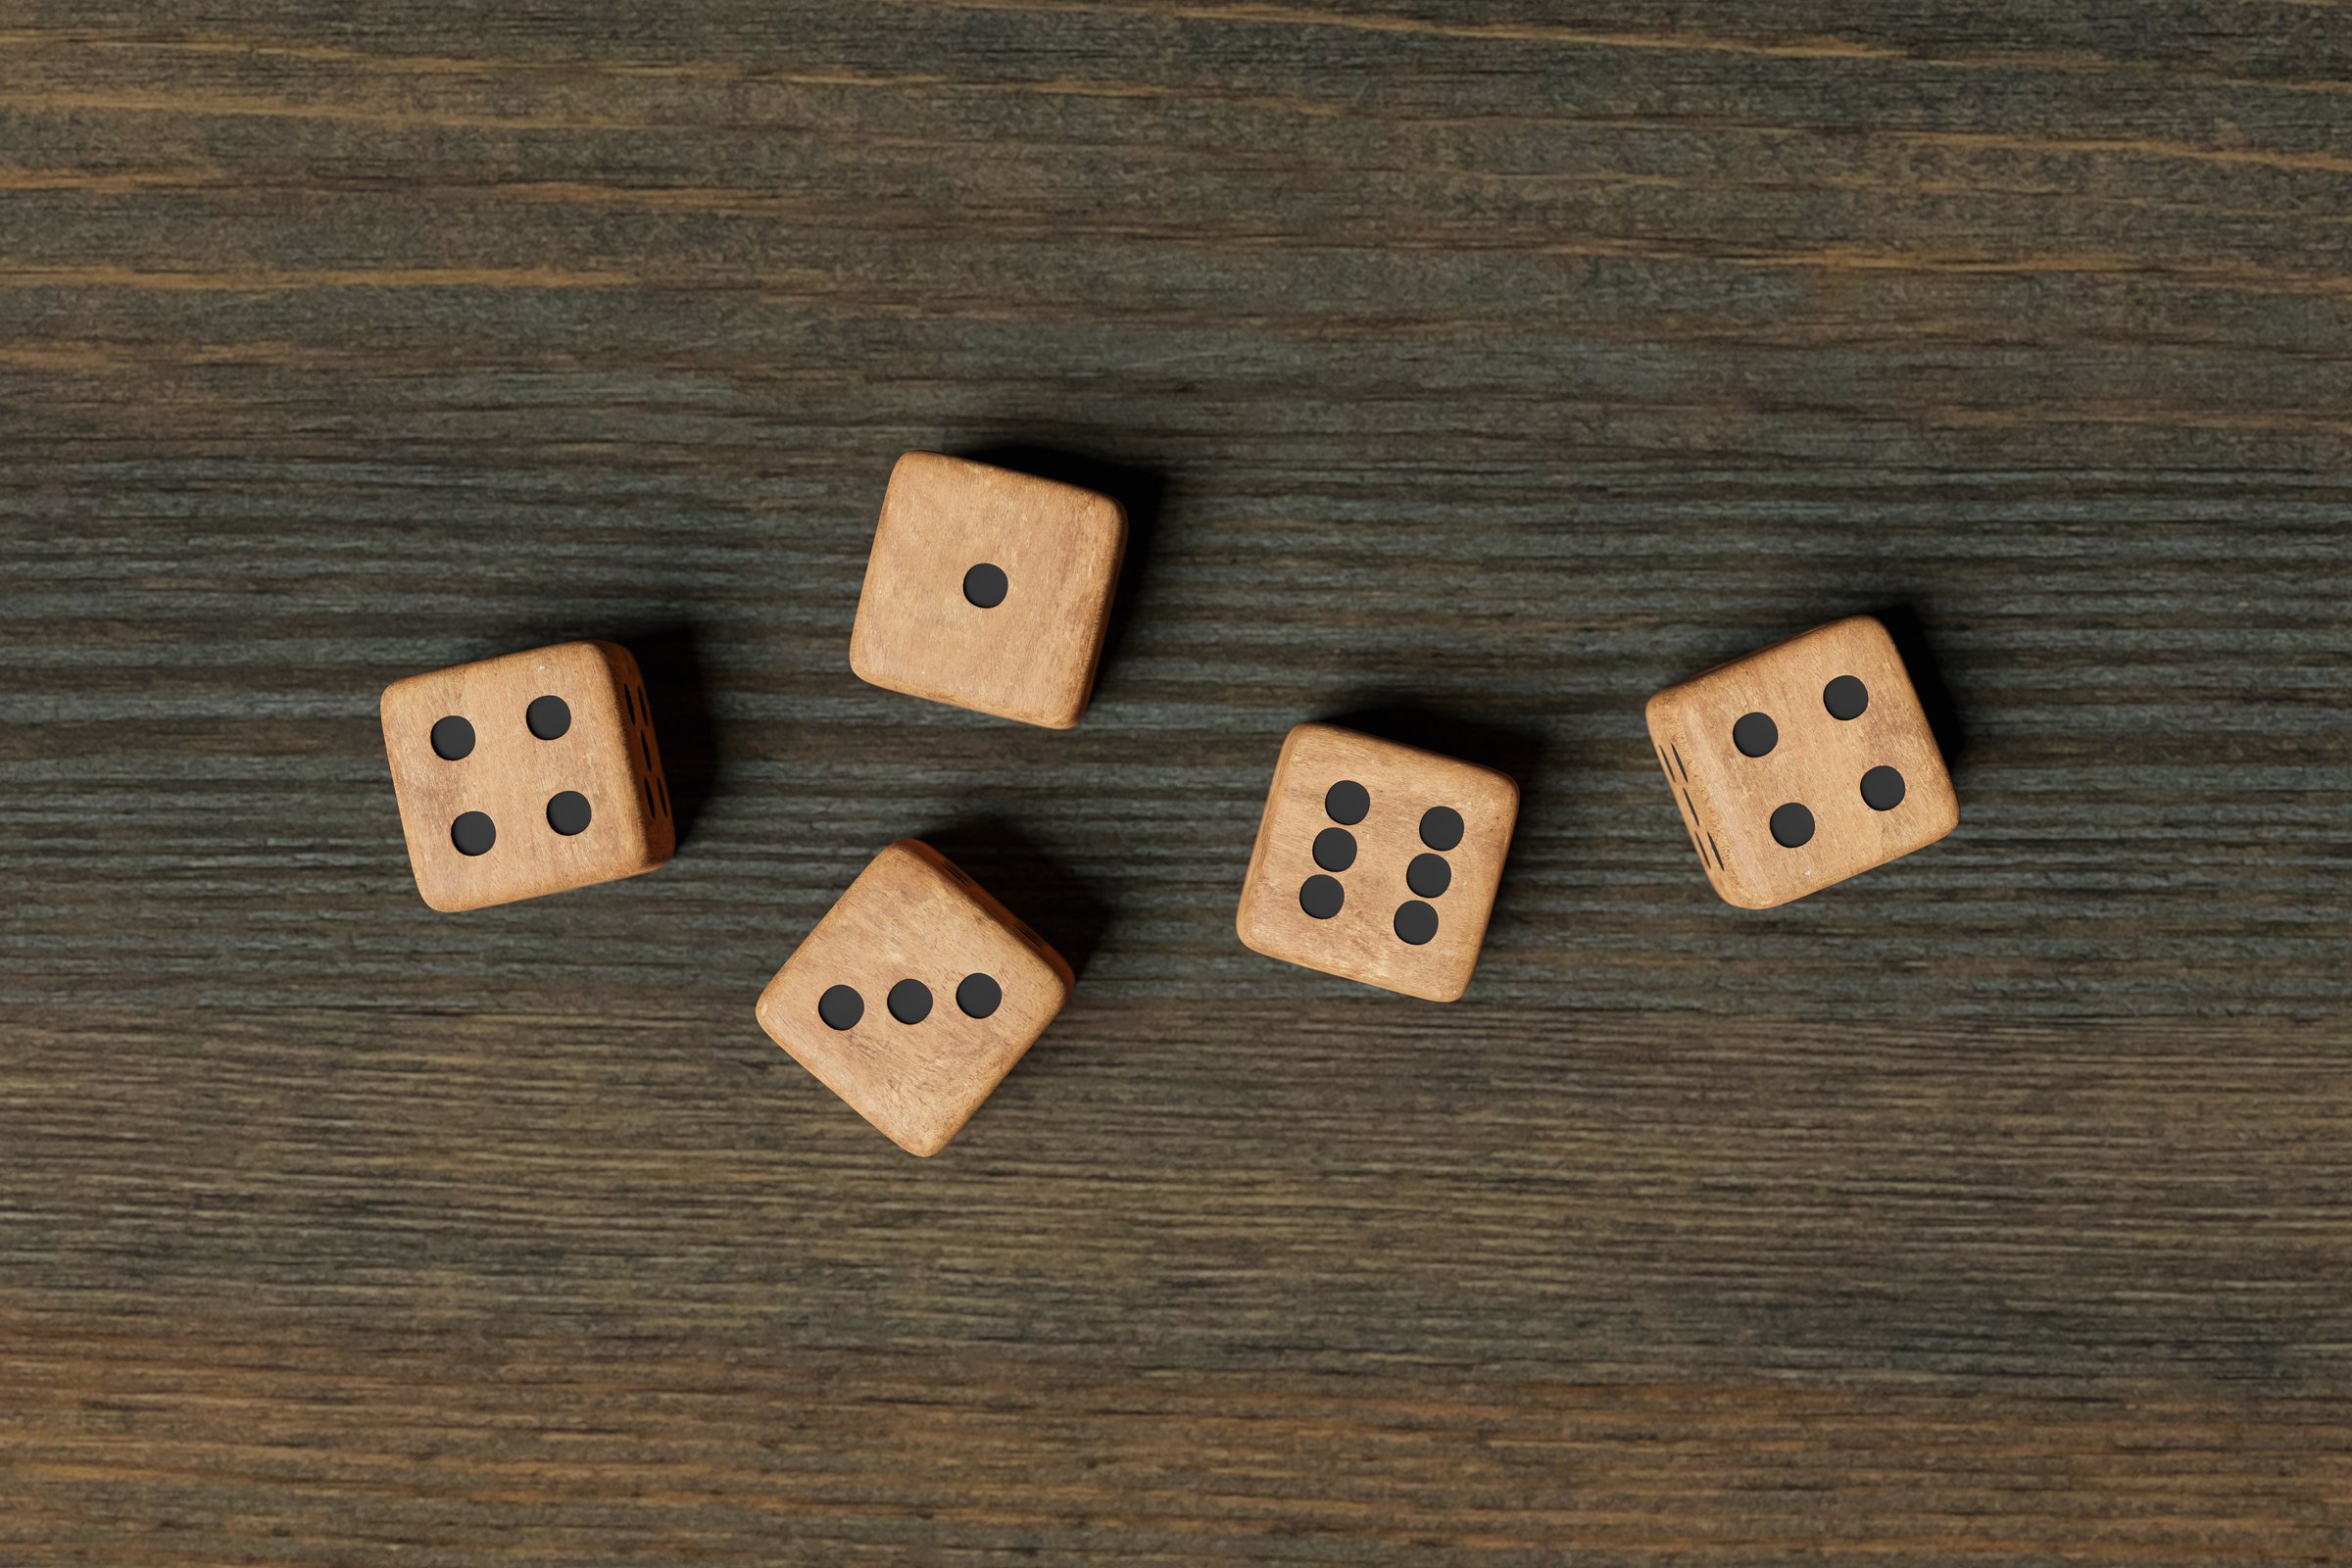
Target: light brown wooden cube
x=1804 y=763
x=915 y=995
x=989 y=590
x=526 y=774
x=1376 y=861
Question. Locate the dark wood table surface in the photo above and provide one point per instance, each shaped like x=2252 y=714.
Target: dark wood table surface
x=1472 y=369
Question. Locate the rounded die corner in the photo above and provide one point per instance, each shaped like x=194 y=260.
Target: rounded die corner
x=575 y=652
x=1307 y=730
x=1107 y=515
x=445 y=905
x=923 y=860
x=1062 y=717
x=391 y=697
x=1738 y=898
x=1064 y=979
x=619 y=660
x=1861 y=623
x=1443 y=987
x=1507 y=792
x=1946 y=819
x=1249 y=921
x=1299 y=739
x=1262 y=943
x=1659 y=713
x=914 y=464
x=923 y=1147
x=660 y=843
x=863 y=664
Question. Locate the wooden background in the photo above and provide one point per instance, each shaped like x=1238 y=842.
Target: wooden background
x=1476 y=367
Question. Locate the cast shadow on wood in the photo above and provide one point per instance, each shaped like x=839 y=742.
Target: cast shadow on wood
x=1048 y=898
x=676 y=689
x=1138 y=492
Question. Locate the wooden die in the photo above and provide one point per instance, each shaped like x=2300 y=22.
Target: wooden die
x=988 y=589
x=1804 y=763
x=526 y=774
x=915 y=995
x=1376 y=861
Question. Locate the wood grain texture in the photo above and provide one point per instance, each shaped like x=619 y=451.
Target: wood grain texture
x=508 y=772
x=914 y=917
x=1807 y=755
x=1468 y=373
x=1031 y=653
x=1361 y=940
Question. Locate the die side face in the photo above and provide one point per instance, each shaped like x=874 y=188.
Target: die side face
x=1802 y=764
x=915 y=995
x=526 y=774
x=1377 y=862
x=988 y=589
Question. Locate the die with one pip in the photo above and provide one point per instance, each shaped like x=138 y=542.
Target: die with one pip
x=1376 y=861
x=1804 y=763
x=915 y=995
x=988 y=589
x=526 y=774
